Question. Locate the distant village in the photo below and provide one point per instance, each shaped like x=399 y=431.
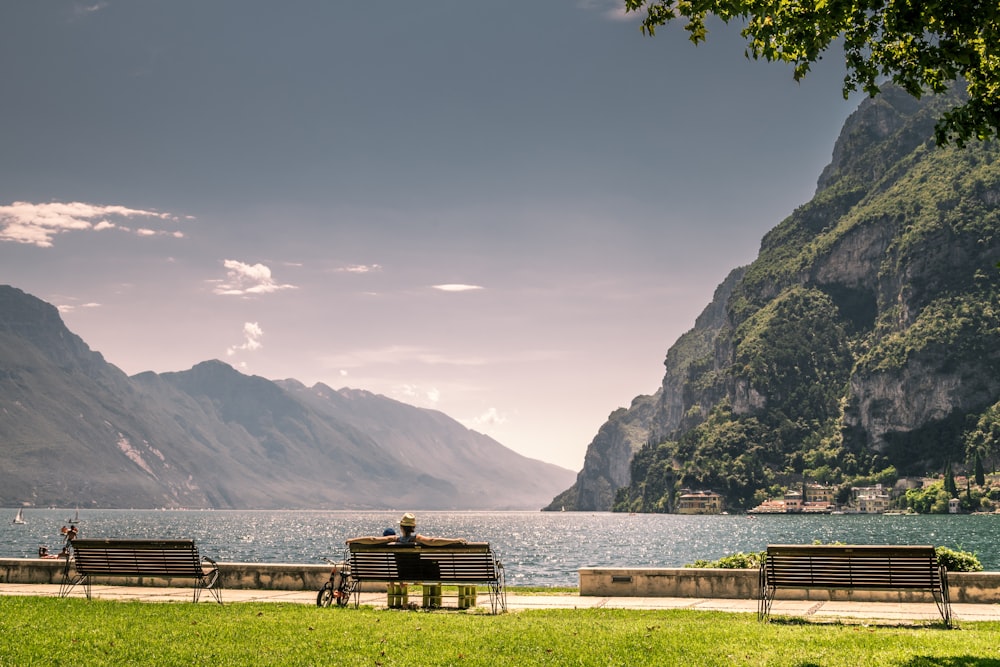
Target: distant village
x=820 y=499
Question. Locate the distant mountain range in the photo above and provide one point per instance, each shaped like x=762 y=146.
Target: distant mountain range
x=862 y=345
x=77 y=431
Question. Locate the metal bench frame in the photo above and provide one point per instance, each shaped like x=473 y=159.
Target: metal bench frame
x=139 y=558
x=469 y=564
x=850 y=567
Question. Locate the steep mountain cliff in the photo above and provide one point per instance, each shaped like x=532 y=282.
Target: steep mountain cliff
x=77 y=431
x=863 y=343
x=606 y=467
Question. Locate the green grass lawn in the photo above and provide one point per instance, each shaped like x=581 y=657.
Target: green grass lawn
x=73 y=631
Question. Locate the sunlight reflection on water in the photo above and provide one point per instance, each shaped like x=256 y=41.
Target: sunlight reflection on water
x=537 y=548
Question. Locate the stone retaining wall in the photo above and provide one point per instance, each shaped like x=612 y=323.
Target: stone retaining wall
x=262 y=576
x=981 y=587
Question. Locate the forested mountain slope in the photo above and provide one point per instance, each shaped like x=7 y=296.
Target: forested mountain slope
x=863 y=343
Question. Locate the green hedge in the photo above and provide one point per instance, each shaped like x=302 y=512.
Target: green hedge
x=953 y=561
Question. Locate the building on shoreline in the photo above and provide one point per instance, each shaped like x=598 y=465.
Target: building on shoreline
x=870 y=499
x=700 y=502
x=812 y=499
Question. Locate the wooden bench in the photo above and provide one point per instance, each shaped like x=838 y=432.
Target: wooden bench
x=469 y=564
x=852 y=567
x=140 y=558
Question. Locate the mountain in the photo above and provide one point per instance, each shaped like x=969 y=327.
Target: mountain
x=861 y=345
x=77 y=431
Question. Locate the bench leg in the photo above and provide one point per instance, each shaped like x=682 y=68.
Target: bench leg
x=432 y=596
x=943 y=599
x=354 y=587
x=467 y=596
x=209 y=581
x=212 y=588
x=69 y=582
x=397 y=595
x=498 y=593
x=766 y=596
x=67 y=585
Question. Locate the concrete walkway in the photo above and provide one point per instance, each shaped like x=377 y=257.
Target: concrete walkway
x=865 y=612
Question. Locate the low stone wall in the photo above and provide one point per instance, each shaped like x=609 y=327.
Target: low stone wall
x=977 y=587
x=981 y=587
x=668 y=582
x=260 y=576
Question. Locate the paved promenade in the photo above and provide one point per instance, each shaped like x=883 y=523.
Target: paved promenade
x=866 y=612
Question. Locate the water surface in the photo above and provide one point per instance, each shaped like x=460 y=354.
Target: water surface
x=537 y=548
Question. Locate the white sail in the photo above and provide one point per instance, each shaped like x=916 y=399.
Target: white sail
x=20 y=516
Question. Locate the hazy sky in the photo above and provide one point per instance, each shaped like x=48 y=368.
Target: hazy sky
x=507 y=211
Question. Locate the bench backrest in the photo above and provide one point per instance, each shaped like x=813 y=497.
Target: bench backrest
x=178 y=558
x=852 y=566
x=460 y=563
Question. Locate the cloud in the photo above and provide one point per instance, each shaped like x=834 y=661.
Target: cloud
x=247 y=279
x=69 y=308
x=456 y=287
x=488 y=419
x=391 y=355
x=252 y=333
x=423 y=394
x=359 y=268
x=611 y=9
x=38 y=224
x=82 y=10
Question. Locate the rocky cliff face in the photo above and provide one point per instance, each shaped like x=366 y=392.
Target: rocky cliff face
x=607 y=466
x=863 y=341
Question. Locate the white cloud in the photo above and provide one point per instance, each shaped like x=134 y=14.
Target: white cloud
x=418 y=394
x=398 y=354
x=248 y=279
x=612 y=9
x=90 y=9
x=252 y=333
x=38 y=224
x=359 y=268
x=488 y=419
x=456 y=287
x=69 y=308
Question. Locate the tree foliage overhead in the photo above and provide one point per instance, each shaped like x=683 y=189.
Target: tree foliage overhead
x=922 y=46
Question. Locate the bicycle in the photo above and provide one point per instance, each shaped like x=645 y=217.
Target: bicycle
x=338 y=588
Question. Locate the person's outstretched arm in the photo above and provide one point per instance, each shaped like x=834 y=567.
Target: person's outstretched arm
x=439 y=541
x=371 y=539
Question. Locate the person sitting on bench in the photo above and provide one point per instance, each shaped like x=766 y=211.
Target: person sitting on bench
x=408 y=528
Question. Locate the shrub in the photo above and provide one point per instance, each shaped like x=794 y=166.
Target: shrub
x=953 y=560
x=737 y=561
x=958 y=561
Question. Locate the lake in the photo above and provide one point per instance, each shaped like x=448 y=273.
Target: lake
x=537 y=548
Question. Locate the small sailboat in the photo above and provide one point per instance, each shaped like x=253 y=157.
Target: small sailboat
x=19 y=519
x=76 y=516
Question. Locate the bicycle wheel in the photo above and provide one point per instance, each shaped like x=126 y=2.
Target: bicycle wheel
x=326 y=595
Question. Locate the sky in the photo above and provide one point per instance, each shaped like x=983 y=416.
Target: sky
x=505 y=211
